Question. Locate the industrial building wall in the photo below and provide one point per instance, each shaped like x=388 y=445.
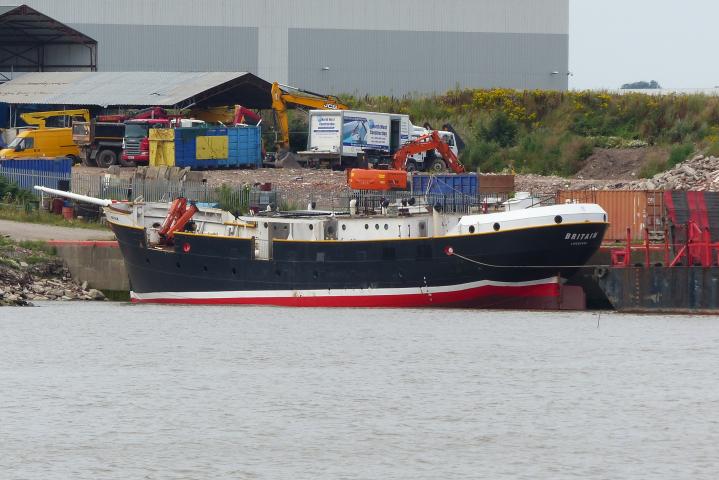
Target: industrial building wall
x=339 y=46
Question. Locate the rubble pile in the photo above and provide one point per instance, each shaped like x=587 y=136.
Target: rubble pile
x=26 y=276
x=699 y=173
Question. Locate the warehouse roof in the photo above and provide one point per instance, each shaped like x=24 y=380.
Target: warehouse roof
x=138 y=89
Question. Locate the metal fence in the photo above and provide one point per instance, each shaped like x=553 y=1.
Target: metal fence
x=240 y=198
x=26 y=179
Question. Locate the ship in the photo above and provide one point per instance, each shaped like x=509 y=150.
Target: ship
x=406 y=254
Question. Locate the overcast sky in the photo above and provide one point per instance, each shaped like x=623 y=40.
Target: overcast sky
x=674 y=42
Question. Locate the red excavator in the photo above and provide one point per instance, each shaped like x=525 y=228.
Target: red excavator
x=396 y=177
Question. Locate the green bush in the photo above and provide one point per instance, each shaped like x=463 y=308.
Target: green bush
x=680 y=153
x=500 y=130
x=232 y=199
x=11 y=193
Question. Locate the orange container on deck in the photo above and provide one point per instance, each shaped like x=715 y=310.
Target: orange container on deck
x=363 y=179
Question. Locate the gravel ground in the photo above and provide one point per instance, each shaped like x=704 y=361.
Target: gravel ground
x=327 y=183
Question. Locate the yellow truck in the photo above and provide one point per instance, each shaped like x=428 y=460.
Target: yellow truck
x=44 y=141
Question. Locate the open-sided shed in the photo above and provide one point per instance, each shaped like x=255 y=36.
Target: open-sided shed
x=107 y=90
x=30 y=41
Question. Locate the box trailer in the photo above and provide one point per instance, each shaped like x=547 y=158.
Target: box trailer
x=348 y=138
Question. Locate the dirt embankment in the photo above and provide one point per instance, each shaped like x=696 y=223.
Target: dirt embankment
x=620 y=163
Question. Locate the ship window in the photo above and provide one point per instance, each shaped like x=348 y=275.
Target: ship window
x=311 y=227
x=344 y=227
x=366 y=226
x=558 y=219
x=386 y=227
x=320 y=256
x=495 y=227
x=266 y=224
x=388 y=253
x=376 y=226
x=471 y=229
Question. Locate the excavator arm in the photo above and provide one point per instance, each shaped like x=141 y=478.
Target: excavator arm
x=303 y=98
x=40 y=118
x=425 y=143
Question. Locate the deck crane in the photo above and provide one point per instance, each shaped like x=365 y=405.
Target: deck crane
x=284 y=95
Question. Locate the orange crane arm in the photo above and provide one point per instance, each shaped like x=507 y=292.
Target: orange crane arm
x=425 y=143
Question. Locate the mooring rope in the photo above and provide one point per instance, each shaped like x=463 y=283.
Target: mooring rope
x=450 y=252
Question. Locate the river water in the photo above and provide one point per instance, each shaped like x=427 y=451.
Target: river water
x=116 y=391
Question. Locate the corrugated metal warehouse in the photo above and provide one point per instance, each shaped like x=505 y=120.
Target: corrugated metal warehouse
x=340 y=46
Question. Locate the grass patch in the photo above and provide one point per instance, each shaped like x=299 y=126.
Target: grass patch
x=38 y=246
x=680 y=153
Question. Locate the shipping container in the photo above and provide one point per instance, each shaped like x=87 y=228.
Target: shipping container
x=633 y=209
x=206 y=148
x=451 y=184
x=489 y=183
x=28 y=172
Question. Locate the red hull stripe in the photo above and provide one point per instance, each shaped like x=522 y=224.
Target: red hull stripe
x=543 y=294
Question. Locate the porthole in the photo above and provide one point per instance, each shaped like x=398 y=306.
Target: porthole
x=266 y=224
x=495 y=227
x=366 y=226
x=234 y=271
x=344 y=227
x=471 y=229
x=558 y=219
x=312 y=227
x=386 y=227
x=204 y=267
x=177 y=264
x=376 y=226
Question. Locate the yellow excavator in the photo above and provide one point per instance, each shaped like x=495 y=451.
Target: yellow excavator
x=284 y=95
